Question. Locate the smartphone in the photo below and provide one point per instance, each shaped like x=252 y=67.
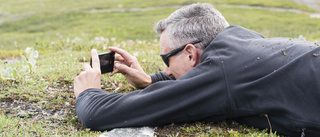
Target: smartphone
x=106 y=62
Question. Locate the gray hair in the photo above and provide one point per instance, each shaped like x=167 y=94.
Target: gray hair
x=198 y=21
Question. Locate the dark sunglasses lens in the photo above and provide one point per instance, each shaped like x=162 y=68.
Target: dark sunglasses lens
x=165 y=60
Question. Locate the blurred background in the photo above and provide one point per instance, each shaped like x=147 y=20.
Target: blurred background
x=37 y=23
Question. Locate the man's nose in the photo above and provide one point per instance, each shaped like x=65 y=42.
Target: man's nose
x=168 y=72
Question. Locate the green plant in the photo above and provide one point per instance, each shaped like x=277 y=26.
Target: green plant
x=174 y=135
x=26 y=67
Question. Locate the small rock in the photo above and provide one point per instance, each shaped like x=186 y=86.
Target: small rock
x=67 y=104
x=23 y=114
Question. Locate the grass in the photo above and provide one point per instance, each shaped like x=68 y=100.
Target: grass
x=11 y=126
x=288 y=4
x=68 y=20
x=273 y=24
x=40 y=101
x=224 y=128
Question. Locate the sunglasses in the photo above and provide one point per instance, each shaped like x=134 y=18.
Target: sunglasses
x=165 y=57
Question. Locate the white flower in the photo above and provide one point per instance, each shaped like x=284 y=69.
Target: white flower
x=123 y=44
x=67 y=104
x=136 y=54
x=96 y=38
x=144 y=61
x=130 y=43
x=302 y=37
x=27 y=50
x=77 y=40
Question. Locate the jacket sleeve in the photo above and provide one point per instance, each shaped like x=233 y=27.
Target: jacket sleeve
x=189 y=98
x=160 y=76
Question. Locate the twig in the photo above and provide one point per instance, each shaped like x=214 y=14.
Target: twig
x=266 y=115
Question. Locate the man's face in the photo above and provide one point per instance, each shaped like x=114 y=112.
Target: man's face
x=178 y=63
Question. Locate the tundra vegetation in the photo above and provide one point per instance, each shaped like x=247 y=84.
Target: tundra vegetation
x=44 y=43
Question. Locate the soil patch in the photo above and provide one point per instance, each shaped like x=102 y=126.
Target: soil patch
x=56 y=109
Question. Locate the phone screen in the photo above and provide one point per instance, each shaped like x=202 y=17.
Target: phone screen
x=106 y=62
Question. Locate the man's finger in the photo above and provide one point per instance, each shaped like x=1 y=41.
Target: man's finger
x=114 y=72
x=118 y=58
x=122 y=68
x=95 y=59
x=126 y=56
x=116 y=68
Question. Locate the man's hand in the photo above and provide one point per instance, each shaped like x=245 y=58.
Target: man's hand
x=129 y=66
x=90 y=77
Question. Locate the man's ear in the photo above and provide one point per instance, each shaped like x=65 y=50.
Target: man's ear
x=191 y=52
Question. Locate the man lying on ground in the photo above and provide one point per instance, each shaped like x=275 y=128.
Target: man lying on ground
x=214 y=72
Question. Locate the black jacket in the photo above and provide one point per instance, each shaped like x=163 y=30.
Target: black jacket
x=242 y=76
